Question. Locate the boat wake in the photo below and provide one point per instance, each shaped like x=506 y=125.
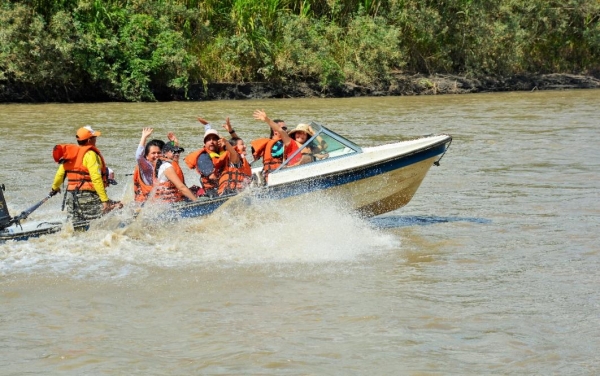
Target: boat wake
x=394 y=221
x=246 y=230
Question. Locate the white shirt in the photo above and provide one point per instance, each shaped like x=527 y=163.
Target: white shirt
x=161 y=172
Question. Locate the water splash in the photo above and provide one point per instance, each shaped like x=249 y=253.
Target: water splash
x=246 y=230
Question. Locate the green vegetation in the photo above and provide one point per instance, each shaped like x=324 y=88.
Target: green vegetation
x=127 y=49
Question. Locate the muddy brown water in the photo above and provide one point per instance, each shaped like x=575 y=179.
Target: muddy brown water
x=492 y=268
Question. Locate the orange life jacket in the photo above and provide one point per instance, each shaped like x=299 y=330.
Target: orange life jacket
x=167 y=191
x=71 y=156
x=191 y=160
x=263 y=147
x=235 y=179
x=258 y=147
x=246 y=168
x=141 y=190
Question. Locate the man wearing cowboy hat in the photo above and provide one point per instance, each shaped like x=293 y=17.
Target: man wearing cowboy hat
x=88 y=178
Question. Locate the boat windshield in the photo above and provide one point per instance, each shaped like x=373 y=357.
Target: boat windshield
x=325 y=144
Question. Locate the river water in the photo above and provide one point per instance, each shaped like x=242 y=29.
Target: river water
x=492 y=268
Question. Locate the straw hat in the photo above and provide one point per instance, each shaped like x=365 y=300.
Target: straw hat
x=302 y=128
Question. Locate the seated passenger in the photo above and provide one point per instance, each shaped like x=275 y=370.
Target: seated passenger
x=217 y=156
x=292 y=142
x=145 y=156
x=169 y=182
x=240 y=146
x=235 y=177
x=269 y=149
x=315 y=150
x=238 y=176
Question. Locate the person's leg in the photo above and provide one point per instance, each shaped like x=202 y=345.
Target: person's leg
x=84 y=206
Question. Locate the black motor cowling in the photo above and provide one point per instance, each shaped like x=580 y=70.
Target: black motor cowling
x=5 y=218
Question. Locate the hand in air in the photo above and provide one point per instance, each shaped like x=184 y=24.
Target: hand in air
x=222 y=143
x=204 y=122
x=260 y=115
x=227 y=126
x=147 y=131
x=171 y=137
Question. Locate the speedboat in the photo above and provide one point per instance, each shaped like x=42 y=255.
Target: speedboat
x=369 y=180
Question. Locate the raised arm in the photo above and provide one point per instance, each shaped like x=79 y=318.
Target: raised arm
x=234 y=157
x=139 y=153
x=204 y=122
x=173 y=178
x=229 y=128
x=146 y=132
x=171 y=137
x=262 y=116
x=145 y=166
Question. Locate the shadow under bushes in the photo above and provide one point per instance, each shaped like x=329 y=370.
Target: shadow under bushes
x=401 y=84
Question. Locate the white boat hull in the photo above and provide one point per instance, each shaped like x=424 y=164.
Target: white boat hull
x=378 y=180
x=387 y=192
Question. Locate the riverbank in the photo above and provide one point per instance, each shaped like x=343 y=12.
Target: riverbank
x=401 y=84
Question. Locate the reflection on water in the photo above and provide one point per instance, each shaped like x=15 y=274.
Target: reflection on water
x=419 y=220
x=493 y=268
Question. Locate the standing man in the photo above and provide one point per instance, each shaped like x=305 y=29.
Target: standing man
x=87 y=175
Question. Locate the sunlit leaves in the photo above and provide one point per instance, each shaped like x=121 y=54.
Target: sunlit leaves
x=129 y=48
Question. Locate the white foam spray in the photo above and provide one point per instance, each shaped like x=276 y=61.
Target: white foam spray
x=246 y=230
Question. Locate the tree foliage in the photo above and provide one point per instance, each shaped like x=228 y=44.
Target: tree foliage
x=129 y=49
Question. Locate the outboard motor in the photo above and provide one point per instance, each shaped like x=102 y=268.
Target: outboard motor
x=5 y=219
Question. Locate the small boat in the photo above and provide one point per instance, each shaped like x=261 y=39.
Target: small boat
x=370 y=180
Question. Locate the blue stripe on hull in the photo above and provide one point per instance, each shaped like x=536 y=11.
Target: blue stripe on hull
x=313 y=184
x=350 y=176
x=197 y=209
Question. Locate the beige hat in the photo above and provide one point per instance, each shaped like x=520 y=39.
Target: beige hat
x=301 y=128
x=209 y=132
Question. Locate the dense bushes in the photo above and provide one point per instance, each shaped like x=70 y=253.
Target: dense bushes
x=127 y=50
